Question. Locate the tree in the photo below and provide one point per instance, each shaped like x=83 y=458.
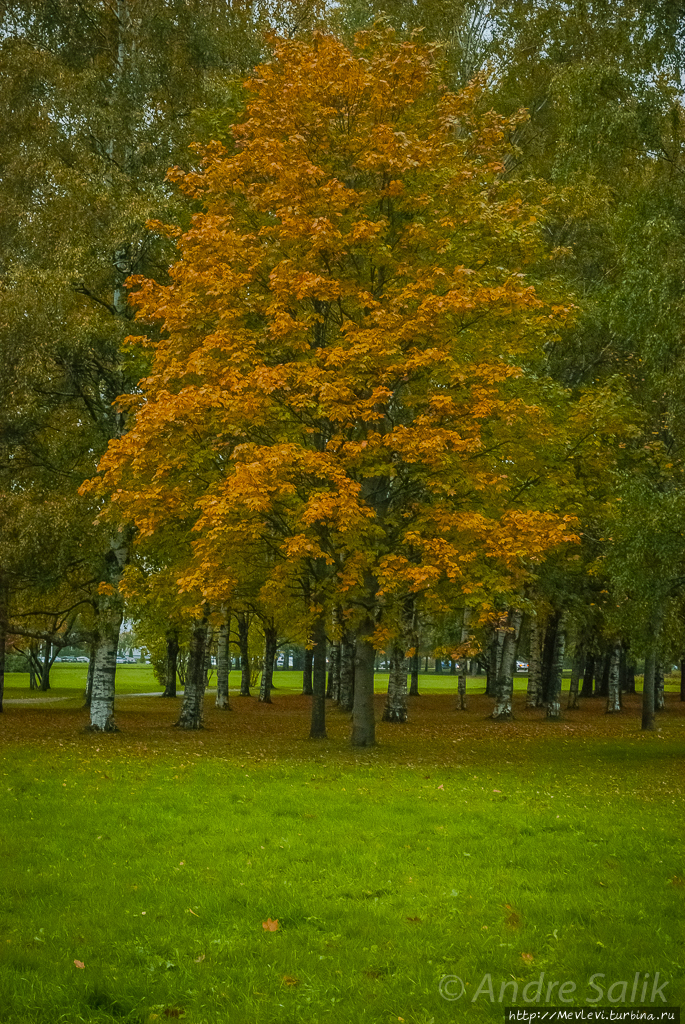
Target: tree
x=337 y=377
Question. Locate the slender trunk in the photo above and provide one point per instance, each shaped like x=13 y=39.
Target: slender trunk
x=105 y=666
x=4 y=592
x=548 y=649
x=307 y=684
x=463 y=664
x=334 y=670
x=171 y=664
x=659 y=701
x=623 y=669
x=33 y=661
x=576 y=672
x=505 y=677
x=110 y=617
x=588 y=676
x=270 y=649
x=534 y=664
x=347 y=670
x=603 y=690
x=556 y=668
x=244 y=646
x=191 y=716
x=45 y=667
x=453 y=667
x=682 y=679
x=414 y=668
x=396 y=704
x=223 y=663
x=89 y=677
x=318 y=721
x=363 y=721
x=648 y=692
x=614 y=681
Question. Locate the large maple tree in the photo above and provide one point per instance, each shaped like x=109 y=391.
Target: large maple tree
x=338 y=368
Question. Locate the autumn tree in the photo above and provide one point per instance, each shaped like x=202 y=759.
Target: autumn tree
x=338 y=374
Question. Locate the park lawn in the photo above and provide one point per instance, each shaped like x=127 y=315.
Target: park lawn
x=457 y=847
x=69 y=680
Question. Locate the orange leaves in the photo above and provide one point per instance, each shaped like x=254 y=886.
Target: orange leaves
x=336 y=377
x=269 y=925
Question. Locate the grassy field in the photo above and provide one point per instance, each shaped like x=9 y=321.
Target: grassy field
x=458 y=848
x=70 y=680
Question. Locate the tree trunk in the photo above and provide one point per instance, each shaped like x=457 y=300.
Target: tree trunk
x=334 y=665
x=576 y=672
x=534 y=690
x=414 y=663
x=110 y=617
x=659 y=700
x=46 y=666
x=307 y=686
x=270 y=649
x=614 y=681
x=623 y=669
x=223 y=663
x=171 y=664
x=556 y=668
x=104 y=669
x=89 y=677
x=191 y=716
x=438 y=666
x=548 y=649
x=396 y=704
x=505 y=676
x=4 y=601
x=648 y=692
x=363 y=721
x=682 y=679
x=588 y=676
x=244 y=646
x=347 y=672
x=603 y=680
x=463 y=664
x=318 y=722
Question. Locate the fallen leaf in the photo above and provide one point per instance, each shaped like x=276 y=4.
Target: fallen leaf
x=413 y=919
x=497 y=791
x=441 y=786
x=199 y=959
x=269 y=925
x=528 y=957
x=191 y=911
x=79 y=964
x=287 y=980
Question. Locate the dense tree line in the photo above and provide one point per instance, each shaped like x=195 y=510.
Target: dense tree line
x=390 y=361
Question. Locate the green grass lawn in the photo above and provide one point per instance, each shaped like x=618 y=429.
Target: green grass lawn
x=69 y=680
x=458 y=848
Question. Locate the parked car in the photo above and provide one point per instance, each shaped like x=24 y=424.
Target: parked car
x=521 y=666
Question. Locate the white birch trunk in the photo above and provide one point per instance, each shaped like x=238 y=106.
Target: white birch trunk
x=463 y=663
x=191 y=716
x=396 y=703
x=534 y=664
x=104 y=670
x=223 y=663
x=614 y=690
x=505 y=678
